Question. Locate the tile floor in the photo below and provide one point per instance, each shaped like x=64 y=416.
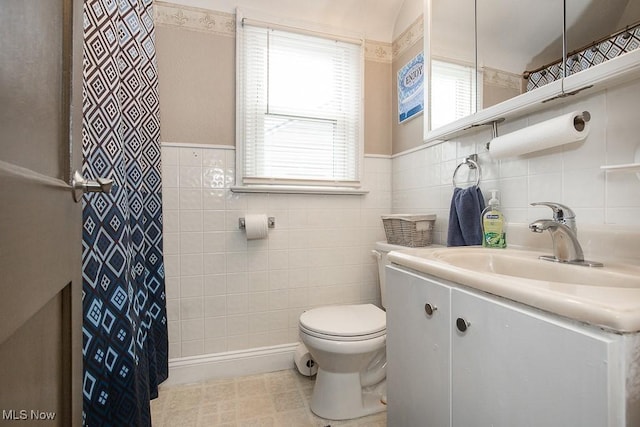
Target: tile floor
x=275 y=399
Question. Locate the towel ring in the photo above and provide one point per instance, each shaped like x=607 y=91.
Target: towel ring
x=472 y=162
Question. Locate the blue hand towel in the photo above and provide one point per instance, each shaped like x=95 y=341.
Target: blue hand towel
x=467 y=205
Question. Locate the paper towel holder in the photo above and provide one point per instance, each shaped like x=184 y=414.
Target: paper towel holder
x=579 y=123
x=494 y=125
x=271 y=222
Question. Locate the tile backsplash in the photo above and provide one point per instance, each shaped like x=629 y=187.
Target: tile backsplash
x=226 y=293
x=570 y=174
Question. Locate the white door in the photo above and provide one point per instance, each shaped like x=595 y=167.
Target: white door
x=40 y=225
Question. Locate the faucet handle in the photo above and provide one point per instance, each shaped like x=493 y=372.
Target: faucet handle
x=561 y=213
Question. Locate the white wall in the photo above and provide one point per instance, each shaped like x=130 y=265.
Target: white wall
x=225 y=293
x=408 y=13
x=570 y=174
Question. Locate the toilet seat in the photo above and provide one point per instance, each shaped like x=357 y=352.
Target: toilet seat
x=356 y=322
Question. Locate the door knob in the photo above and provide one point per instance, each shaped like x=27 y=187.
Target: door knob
x=80 y=185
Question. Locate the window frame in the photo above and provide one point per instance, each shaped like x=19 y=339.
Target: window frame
x=303 y=186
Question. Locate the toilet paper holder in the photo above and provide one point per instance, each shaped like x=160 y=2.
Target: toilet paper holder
x=271 y=222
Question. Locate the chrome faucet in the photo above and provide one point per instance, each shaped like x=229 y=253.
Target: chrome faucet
x=561 y=214
x=564 y=234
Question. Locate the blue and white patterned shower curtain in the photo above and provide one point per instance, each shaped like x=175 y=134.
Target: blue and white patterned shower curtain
x=125 y=323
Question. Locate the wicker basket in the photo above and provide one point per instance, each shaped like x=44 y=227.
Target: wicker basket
x=409 y=230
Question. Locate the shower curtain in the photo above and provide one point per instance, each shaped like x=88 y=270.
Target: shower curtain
x=124 y=310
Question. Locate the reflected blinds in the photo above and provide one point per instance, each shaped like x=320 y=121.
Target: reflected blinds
x=453 y=89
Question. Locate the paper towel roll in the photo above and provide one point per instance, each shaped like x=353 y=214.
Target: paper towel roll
x=305 y=364
x=561 y=130
x=256 y=226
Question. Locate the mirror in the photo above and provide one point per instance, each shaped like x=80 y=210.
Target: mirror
x=599 y=30
x=452 y=89
x=515 y=36
x=518 y=50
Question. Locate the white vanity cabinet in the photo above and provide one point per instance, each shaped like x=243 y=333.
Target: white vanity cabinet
x=511 y=366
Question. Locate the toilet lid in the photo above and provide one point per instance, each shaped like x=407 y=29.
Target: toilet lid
x=345 y=320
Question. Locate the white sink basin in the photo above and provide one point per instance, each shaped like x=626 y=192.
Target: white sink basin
x=527 y=265
x=606 y=296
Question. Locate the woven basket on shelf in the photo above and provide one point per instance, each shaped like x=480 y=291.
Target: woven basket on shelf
x=409 y=230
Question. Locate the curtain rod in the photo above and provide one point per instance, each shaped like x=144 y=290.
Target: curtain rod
x=272 y=26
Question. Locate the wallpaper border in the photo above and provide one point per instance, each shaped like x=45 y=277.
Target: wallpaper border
x=409 y=37
x=193 y=18
x=224 y=24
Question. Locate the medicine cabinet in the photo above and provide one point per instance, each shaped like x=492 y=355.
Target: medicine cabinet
x=493 y=59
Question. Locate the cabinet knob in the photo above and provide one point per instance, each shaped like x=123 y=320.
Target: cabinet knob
x=462 y=324
x=429 y=309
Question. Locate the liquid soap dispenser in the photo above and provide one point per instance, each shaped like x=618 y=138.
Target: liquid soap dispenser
x=493 y=228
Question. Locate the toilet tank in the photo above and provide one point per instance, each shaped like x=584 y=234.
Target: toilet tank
x=381 y=250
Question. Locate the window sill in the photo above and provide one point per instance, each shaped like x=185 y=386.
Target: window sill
x=296 y=189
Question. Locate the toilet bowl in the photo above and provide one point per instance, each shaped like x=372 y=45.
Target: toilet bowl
x=348 y=344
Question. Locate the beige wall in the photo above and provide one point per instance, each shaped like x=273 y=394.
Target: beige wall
x=493 y=94
x=499 y=86
x=377 y=89
x=407 y=43
x=197 y=86
x=196 y=66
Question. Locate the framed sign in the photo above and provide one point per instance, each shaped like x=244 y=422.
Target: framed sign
x=411 y=89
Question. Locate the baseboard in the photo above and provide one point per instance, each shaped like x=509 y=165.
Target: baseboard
x=253 y=361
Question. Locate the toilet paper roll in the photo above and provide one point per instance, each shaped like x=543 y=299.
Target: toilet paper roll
x=256 y=226
x=551 y=133
x=305 y=364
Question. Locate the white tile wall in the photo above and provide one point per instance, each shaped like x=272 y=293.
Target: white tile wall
x=226 y=293
x=570 y=174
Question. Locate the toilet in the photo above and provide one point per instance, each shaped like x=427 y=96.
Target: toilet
x=348 y=344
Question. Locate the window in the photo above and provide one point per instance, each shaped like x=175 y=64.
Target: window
x=453 y=92
x=299 y=108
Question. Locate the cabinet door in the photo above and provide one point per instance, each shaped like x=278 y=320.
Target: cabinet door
x=512 y=367
x=417 y=351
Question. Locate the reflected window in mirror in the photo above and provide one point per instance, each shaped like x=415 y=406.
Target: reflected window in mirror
x=453 y=92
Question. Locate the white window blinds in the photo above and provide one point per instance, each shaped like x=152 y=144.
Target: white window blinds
x=299 y=112
x=453 y=92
